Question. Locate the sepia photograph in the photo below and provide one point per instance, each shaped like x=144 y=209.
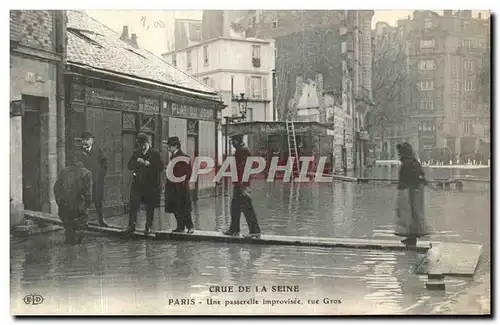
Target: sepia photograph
x=290 y=162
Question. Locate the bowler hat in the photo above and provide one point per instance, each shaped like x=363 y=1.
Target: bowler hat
x=237 y=137
x=142 y=138
x=87 y=135
x=172 y=141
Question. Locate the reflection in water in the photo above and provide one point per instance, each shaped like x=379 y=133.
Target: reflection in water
x=109 y=275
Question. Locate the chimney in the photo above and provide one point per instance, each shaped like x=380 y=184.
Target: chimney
x=133 y=41
x=124 y=36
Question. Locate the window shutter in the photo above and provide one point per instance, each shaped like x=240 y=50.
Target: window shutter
x=248 y=87
x=264 y=88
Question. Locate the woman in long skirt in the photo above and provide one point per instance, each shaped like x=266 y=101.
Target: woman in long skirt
x=410 y=221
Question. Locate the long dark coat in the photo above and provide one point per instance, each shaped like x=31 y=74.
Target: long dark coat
x=146 y=182
x=97 y=164
x=178 y=194
x=73 y=188
x=410 y=212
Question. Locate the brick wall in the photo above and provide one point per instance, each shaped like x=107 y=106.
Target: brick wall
x=33 y=28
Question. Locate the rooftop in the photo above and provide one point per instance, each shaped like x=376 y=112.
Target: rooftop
x=92 y=44
x=235 y=39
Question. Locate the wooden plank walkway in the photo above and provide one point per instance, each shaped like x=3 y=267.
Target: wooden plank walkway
x=457 y=258
x=454 y=260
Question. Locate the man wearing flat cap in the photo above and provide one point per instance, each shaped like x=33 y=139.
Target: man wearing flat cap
x=242 y=201
x=147 y=166
x=73 y=193
x=178 y=193
x=95 y=161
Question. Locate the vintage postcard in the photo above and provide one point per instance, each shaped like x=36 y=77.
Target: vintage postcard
x=250 y=162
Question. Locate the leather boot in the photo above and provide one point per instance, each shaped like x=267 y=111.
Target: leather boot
x=102 y=222
x=129 y=230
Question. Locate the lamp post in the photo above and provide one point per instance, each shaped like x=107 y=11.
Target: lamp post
x=242 y=107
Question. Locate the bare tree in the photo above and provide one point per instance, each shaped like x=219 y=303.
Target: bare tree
x=390 y=88
x=483 y=80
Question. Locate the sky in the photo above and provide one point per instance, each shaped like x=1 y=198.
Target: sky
x=154 y=28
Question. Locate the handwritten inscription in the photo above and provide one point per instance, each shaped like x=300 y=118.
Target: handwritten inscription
x=155 y=24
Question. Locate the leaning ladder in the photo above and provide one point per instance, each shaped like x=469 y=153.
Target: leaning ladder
x=292 y=145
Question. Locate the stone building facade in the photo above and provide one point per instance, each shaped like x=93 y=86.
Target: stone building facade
x=446 y=54
x=37 y=54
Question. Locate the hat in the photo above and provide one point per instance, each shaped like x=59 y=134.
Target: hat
x=142 y=138
x=87 y=135
x=172 y=141
x=237 y=137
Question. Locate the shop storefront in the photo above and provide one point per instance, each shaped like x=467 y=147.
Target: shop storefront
x=270 y=139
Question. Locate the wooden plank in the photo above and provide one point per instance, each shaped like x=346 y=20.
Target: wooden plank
x=214 y=236
x=455 y=259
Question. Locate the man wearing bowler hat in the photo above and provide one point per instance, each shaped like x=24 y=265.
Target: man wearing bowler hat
x=147 y=166
x=178 y=193
x=95 y=161
x=242 y=201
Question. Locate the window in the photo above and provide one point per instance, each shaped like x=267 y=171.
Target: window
x=427 y=44
x=467 y=44
x=428 y=24
x=467 y=126
x=249 y=116
x=468 y=106
x=426 y=126
x=256 y=56
x=205 y=55
x=255 y=87
x=275 y=23
x=188 y=59
x=255 y=51
x=469 y=85
x=427 y=85
x=427 y=105
x=174 y=60
x=252 y=21
x=275 y=52
x=426 y=65
x=468 y=65
x=206 y=81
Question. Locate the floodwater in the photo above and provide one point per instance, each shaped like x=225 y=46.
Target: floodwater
x=118 y=276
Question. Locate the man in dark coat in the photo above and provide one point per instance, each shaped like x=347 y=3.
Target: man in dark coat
x=242 y=201
x=147 y=166
x=96 y=162
x=178 y=193
x=73 y=192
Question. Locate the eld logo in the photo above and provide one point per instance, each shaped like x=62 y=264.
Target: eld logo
x=33 y=299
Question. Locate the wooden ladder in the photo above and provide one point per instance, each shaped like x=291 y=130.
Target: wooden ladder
x=292 y=146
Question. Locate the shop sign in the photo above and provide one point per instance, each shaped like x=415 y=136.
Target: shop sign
x=279 y=128
x=191 y=112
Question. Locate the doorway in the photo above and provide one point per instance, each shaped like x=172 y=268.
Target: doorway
x=31 y=140
x=128 y=147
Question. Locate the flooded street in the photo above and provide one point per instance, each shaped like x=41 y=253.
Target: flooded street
x=117 y=276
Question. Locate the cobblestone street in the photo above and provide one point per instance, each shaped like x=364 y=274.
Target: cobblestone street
x=135 y=277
